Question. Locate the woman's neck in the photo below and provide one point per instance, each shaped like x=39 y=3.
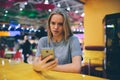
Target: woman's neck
x=57 y=39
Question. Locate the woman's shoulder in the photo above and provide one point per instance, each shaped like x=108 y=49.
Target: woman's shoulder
x=43 y=38
x=73 y=37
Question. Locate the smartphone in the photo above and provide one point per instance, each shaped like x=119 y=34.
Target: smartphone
x=46 y=52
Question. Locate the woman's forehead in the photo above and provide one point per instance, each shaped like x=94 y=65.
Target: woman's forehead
x=57 y=17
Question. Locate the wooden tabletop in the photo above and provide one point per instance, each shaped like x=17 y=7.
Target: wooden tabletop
x=23 y=71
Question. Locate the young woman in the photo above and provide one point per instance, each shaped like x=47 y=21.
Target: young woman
x=67 y=48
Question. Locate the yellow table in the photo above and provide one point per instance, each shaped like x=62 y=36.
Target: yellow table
x=22 y=71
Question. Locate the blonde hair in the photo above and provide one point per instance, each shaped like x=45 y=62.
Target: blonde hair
x=66 y=24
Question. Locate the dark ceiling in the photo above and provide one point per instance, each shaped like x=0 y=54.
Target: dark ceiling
x=35 y=11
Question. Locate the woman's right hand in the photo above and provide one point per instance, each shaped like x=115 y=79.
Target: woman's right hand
x=43 y=65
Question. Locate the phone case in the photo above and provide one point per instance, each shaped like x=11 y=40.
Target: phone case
x=46 y=52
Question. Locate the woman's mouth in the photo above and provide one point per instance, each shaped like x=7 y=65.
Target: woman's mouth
x=55 y=31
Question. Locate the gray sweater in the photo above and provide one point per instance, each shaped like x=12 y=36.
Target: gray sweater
x=64 y=50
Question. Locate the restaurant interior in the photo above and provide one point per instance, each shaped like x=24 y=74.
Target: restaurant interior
x=96 y=23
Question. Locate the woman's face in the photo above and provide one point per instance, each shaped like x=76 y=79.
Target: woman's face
x=56 y=25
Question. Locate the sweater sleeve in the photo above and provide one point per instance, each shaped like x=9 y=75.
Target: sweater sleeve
x=75 y=47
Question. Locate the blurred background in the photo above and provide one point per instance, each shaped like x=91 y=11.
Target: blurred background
x=21 y=17
x=96 y=23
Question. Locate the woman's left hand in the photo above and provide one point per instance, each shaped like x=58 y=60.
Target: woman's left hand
x=43 y=65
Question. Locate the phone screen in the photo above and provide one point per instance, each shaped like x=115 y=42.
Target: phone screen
x=46 y=52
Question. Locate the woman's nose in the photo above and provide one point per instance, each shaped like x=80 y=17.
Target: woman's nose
x=56 y=26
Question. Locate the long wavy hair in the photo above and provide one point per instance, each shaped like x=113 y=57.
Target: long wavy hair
x=66 y=24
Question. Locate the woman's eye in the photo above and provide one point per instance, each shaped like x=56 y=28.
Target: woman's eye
x=61 y=24
x=52 y=23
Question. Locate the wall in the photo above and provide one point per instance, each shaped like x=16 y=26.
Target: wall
x=95 y=10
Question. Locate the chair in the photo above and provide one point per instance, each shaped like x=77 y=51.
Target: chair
x=8 y=56
x=2 y=53
x=17 y=55
x=93 y=63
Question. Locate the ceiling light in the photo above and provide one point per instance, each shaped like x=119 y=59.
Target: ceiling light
x=25 y=3
x=5 y=15
x=58 y=5
x=3 y=25
x=83 y=14
x=76 y=11
x=21 y=9
x=68 y=8
x=9 y=27
x=6 y=11
x=46 y=2
x=49 y=10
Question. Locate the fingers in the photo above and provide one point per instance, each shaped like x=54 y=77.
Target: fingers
x=39 y=65
x=40 y=57
x=51 y=64
x=47 y=58
x=36 y=59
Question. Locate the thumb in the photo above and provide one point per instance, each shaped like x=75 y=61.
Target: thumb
x=56 y=60
x=40 y=57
